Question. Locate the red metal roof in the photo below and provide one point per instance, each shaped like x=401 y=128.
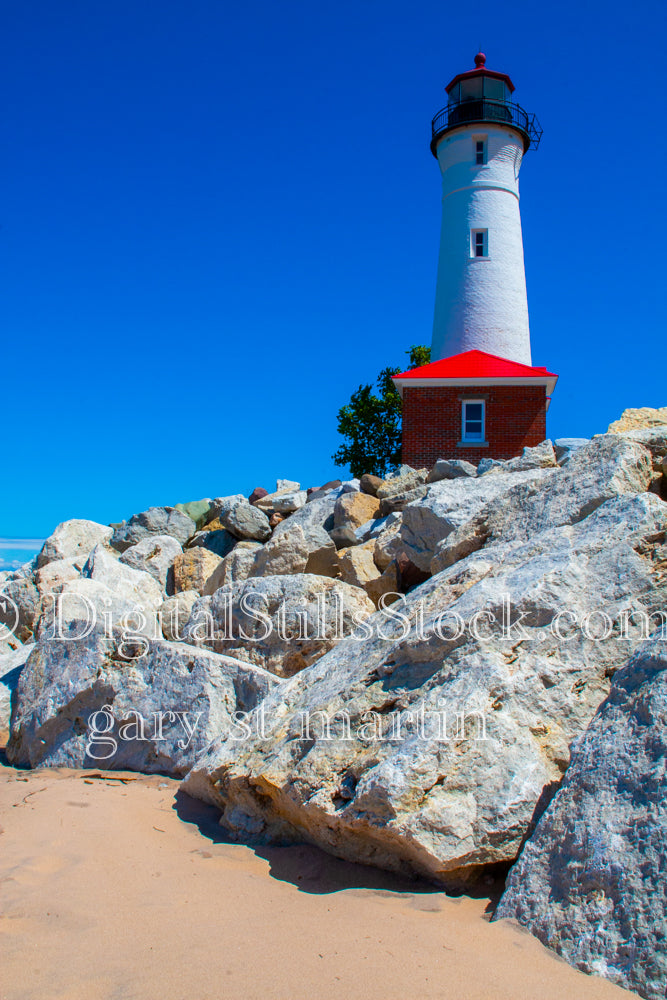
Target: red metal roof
x=476 y=364
x=480 y=70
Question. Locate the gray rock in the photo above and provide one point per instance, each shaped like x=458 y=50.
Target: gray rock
x=279 y=623
x=450 y=468
x=609 y=466
x=220 y=542
x=154 y=521
x=175 y=612
x=446 y=797
x=375 y=527
x=565 y=447
x=448 y=504
x=589 y=883
x=155 y=555
x=64 y=684
x=344 y=536
x=11 y=665
x=247 y=522
x=73 y=539
x=350 y=486
x=221 y=505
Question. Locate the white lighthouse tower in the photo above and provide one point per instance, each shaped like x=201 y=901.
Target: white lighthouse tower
x=479 y=140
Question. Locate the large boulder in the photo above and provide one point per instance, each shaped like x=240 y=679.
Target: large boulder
x=144 y=706
x=280 y=623
x=155 y=555
x=448 y=504
x=73 y=539
x=427 y=746
x=608 y=466
x=154 y=521
x=589 y=883
x=643 y=416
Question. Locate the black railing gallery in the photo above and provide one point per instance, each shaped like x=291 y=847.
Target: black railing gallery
x=487 y=111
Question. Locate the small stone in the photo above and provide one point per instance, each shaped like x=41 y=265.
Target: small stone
x=246 y=521
x=221 y=541
x=275 y=519
x=370 y=484
x=257 y=494
x=450 y=468
x=343 y=537
x=154 y=555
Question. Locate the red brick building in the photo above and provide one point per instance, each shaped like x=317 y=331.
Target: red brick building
x=472 y=406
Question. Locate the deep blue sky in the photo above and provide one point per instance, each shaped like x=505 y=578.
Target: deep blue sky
x=218 y=219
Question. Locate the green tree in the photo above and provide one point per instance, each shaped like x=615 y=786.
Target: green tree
x=371 y=423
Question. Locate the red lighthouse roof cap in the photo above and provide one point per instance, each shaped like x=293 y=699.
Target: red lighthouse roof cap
x=480 y=70
x=477 y=367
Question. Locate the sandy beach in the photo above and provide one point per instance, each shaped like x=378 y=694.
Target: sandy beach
x=115 y=886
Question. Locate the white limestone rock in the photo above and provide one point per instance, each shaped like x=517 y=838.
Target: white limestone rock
x=608 y=466
x=74 y=539
x=279 y=623
x=445 y=802
x=448 y=504
x=64 y=683
x=155 y=555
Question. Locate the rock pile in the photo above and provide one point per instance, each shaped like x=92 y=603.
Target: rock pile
x=394 y=670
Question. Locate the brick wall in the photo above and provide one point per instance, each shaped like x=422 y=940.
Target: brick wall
x=515 y=417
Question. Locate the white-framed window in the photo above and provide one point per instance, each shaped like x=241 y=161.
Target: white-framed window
x=473 y=419
x=479 y=242
x=480 y=151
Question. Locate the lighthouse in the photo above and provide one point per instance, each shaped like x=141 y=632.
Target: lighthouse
x=480 y=396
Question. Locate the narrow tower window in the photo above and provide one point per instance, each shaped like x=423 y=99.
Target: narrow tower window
x=479 y=243
x=472 y=423
x=480 y=152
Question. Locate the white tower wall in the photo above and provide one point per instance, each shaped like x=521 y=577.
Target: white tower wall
x=481 y=302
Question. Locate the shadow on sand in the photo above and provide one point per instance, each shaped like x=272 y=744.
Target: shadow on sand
x=314 y=871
